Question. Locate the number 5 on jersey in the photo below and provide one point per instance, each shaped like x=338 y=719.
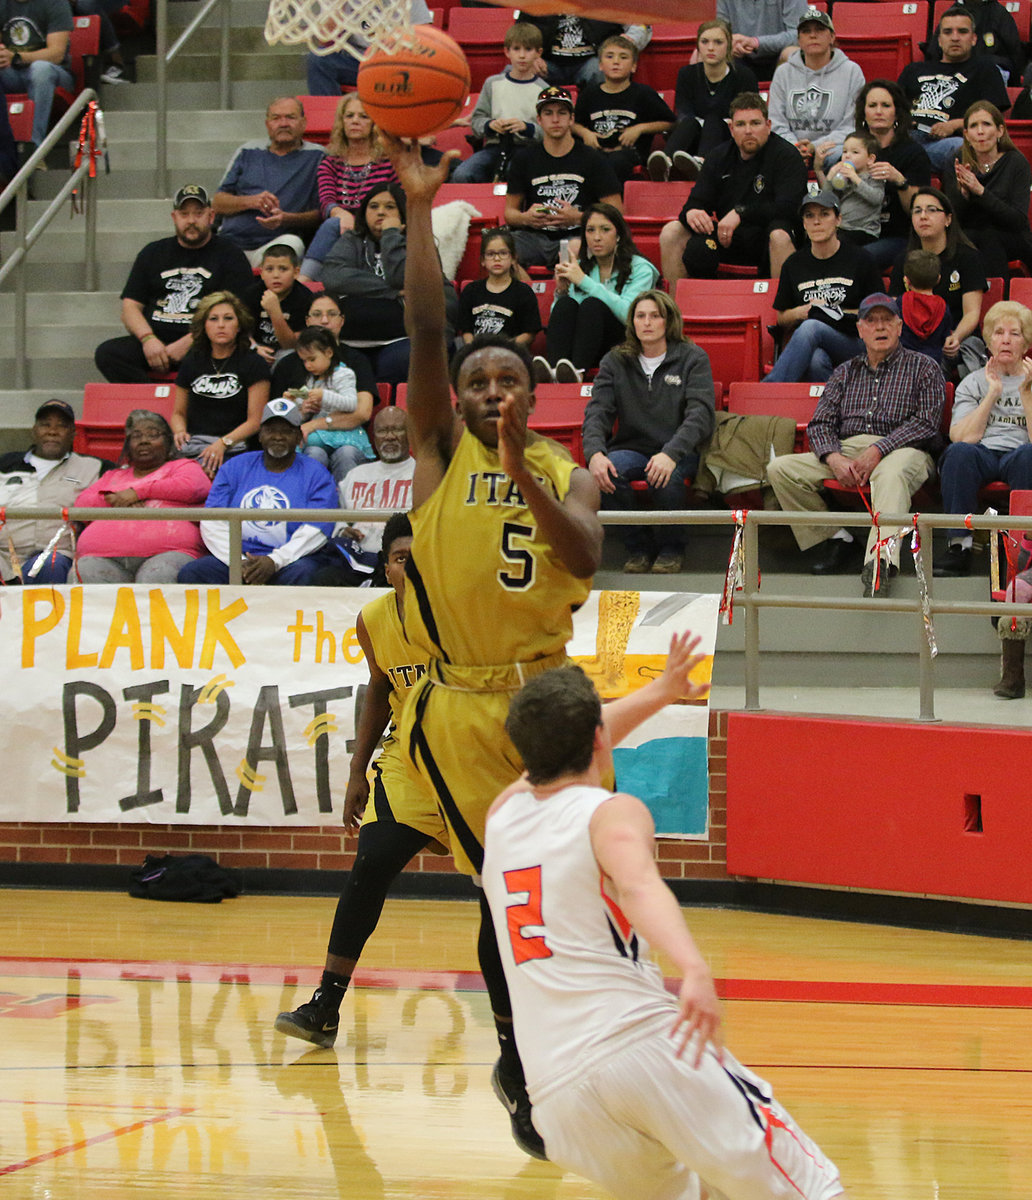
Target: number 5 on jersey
x=516 y=556
x=527 y=915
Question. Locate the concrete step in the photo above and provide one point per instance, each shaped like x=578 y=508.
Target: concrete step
x=203 y=63
x=47 y=372
x=64 y=341
x=46 y=277
x=204 y=93
x=62 y=246
x=242 y=13
x=92 y=310
x=236 y=126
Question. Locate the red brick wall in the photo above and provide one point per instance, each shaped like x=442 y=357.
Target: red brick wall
x=324 y=848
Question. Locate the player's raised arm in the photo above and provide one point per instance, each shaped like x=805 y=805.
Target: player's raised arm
x=622 y=716
x=622 y=837
x=430 y=413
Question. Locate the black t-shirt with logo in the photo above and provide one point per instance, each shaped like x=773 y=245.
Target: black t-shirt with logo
x=509 y=312
x=580 y=177
x=295 y=305
x=217 y=389
x=169 y=279
x=24 y=26
x=834 y=286
x=943 y=91
x=607 y=114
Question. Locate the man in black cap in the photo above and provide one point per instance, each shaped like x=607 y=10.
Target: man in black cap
x=166 y=282
x=47 y=475
x=819 y=291
x=551 y=183
x=874 y=423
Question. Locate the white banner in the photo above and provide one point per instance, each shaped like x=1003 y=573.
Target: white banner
x=236 y=706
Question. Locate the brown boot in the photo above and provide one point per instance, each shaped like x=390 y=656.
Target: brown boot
x=1012 y=675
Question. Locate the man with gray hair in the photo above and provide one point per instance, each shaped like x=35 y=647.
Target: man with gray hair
x=269 y=193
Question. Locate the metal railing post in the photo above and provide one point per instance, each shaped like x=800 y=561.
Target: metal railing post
x=926 y=663
x=224 y=90
x=161 y=109
x=90 y=236
x=751 y=536
x=21 y=362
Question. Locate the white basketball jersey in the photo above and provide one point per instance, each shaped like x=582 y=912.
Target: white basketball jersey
x=579 y=976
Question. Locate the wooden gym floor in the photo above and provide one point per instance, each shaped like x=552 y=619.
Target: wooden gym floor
x=137 y=1055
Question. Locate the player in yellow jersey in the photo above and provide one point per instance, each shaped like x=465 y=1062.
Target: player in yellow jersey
x=403 y=818
x=506 y=539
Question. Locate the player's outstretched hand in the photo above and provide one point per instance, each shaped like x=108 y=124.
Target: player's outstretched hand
x=682 y=659
x=512 y=434
x=418 y=179
x=698 y=1016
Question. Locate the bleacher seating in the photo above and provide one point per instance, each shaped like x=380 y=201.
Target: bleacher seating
x=795 y=400
x=1020 y=505
x=854 y=19
x=101 y=428
x=718 y=312
x=489 y=200
x=648 y=207
x=481 y=34
x=671 y=47
x=319 y=114
x=559 y=414
x=21 y=111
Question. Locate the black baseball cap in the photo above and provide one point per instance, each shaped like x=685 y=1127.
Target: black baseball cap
x=59 y=406
x=191 y=191
x=554 y=95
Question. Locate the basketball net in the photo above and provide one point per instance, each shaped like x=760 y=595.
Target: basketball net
x=357 y=27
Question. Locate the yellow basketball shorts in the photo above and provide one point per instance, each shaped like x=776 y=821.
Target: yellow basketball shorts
x=399 y=794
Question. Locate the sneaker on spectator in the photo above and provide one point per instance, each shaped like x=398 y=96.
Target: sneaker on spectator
x=658 y=166
x=686 y=165
x=670 y=562
x=566 y=372
x=541 y=369
x=637 y=564
x=114 y=74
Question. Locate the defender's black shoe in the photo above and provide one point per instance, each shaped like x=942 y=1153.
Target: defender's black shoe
x=312 y=1022
x=517 y=1103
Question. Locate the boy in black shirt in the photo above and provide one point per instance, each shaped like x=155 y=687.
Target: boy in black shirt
x=743 y=206
x=280 y=304
x=819 y=292
x=618 y=116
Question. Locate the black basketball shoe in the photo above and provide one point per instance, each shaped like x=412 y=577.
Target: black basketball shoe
x=513 y=1094
x=312 y=1022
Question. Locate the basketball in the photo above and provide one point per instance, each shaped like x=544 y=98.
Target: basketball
x=418 y=89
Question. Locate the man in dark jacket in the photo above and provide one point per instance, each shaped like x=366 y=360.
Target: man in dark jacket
x=650 y=409
x=743 y=207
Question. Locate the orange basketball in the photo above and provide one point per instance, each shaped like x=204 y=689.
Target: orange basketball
x=420 y=88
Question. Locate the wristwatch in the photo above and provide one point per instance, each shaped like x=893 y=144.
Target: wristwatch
x=16 y=59
x=740 y=209
x=227 y=442
x=329 y=420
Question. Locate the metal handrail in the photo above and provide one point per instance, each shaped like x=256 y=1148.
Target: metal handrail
x=749 y=599
x=165 y=55
x=25 y=238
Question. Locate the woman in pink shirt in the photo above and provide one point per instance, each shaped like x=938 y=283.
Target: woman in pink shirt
x=143 y=551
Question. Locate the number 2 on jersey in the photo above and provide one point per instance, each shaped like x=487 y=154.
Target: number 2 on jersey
x=519 y=917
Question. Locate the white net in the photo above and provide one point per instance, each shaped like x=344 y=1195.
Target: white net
x=358 y=27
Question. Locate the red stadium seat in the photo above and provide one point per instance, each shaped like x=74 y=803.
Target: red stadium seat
x=1021 y=136
x=319 y=114
x=83 y=49
x=990 y=297
x=670 y=48
x=21 y=111
x=648 y=207
x=559 y=414
x=723 y=299
x=854 y=19
x=879 y=55
x=489 y=201
x=481 y=34
x=1021 y=290
x=105 y=406
x=795 y=400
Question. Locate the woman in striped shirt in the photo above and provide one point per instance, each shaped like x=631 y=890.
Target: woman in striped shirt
x=355 y=165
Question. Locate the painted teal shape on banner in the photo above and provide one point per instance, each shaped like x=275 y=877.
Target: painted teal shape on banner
x=671 y=775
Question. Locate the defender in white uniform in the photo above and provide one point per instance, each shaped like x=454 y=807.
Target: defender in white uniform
x=630 y=1086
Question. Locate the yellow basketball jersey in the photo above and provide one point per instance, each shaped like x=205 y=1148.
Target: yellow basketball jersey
x=483 y=587
x=396 y=657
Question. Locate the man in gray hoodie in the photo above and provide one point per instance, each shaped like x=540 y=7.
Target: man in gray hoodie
x=813 y=94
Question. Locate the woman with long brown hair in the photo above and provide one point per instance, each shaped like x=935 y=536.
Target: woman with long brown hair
x=989 y=183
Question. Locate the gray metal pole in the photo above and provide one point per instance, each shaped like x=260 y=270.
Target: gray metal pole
x=752 y=617
x=161 y=112
x=89 y=188
x=926 y=663
x=225 y=101
x=21 y=368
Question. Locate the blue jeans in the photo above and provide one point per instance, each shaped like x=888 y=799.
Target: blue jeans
x=325 y=239
x=39 y=79
x=643 y=539
x=54 y=569
x=967 y=466
x=338 y=461
x=578 y=71
x=479 y=167
x=885 y=251
x=328 y=73
x=814 y=350
x=210 y=569
x=940 y=151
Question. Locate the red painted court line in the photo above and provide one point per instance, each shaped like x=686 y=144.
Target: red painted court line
x=809 y=991
x=93 y=1141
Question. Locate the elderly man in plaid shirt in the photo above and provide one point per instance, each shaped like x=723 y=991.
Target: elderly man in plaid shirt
x=874 y=424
